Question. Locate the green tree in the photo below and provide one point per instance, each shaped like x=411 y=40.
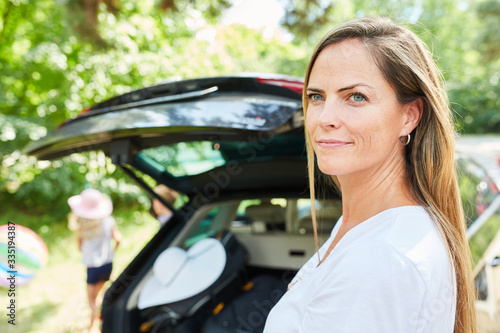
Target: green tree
x=52 y=70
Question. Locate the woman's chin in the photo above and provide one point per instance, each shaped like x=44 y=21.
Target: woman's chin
x=331 y=168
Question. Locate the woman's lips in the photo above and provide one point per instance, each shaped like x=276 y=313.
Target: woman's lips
x=328 y=143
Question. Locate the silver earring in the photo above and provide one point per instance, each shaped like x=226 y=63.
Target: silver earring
x=407 y=140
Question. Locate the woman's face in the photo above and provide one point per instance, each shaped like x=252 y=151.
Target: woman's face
x=353 y=118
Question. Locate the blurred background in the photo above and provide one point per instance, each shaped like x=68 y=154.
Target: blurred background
x=58 y=57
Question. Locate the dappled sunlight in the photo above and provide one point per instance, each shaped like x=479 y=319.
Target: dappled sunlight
x=59 y=58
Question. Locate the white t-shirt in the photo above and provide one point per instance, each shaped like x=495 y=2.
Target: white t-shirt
x=98 y=250
x=389 y=274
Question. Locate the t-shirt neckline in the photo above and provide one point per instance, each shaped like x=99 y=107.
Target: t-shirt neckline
x=366 y=225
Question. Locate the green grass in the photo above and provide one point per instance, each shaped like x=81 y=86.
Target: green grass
x=56 y=300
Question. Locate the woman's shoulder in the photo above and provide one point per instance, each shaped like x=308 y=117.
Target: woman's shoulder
x=405 y=235
x=403 y=240
x=414 y=235
x=412 y=230
x=404 y=229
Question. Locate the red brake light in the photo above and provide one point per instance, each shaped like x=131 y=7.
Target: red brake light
x=86 y=110
x=293 y=85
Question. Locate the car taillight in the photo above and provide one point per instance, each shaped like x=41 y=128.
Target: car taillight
x=293 y=85
x=85 y=111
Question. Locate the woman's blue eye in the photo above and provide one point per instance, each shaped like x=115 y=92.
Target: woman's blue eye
x=315 y=97
x=357 y=97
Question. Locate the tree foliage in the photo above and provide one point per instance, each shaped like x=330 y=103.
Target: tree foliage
x=58 y=57
x=52 y=70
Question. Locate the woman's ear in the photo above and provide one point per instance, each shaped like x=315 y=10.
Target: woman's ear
x=414 y=111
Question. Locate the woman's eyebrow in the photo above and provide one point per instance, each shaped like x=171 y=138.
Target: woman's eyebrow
x=315 y=90
x=354 y=86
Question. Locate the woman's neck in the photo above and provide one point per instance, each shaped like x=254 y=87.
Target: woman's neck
x=365 y=195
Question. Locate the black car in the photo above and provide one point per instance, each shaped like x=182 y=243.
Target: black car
x=234 y=146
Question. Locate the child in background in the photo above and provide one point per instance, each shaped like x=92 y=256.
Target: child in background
x=95 y=227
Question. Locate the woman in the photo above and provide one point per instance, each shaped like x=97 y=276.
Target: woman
x=95 y=228
x=379 y=125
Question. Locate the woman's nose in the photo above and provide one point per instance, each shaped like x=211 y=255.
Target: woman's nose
x=329 y=116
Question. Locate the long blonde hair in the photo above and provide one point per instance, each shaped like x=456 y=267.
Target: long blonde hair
x=407 y=64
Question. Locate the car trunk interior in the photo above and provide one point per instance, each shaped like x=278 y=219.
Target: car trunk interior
x=275 y=230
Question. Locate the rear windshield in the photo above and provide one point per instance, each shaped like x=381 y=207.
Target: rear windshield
x=192 y=158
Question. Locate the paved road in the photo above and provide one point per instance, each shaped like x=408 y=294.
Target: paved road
x=485 y=150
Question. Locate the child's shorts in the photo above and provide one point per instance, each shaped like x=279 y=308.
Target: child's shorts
x=101 y=273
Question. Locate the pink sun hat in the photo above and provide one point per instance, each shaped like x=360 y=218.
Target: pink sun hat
x=91 y=204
